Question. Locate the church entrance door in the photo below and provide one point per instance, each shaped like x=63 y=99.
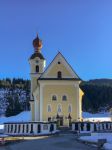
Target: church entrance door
x=61 y=121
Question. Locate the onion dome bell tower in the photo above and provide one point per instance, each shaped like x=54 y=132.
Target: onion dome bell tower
x=37 y=64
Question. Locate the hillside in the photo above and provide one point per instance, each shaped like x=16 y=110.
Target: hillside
x=100 y=82
x=98 y=95
x=14 y=96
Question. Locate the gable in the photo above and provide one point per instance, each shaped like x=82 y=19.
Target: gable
x=59 y=63
x=59 y=67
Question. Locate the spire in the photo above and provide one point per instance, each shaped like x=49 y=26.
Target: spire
x=37 y=44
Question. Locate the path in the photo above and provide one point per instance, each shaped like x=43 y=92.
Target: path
x=57 y=142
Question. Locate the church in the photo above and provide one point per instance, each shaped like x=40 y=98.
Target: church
x=56 y=99
x=55 y=91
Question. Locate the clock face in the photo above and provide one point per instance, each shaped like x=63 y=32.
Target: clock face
x=37 y=61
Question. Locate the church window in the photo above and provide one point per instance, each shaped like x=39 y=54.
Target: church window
x=59 y=62
x=64 y=98
x=59 y=74
x=54 y=97
x=49 y=108
x=37 y=68
x=59 y=108
x=69 y=108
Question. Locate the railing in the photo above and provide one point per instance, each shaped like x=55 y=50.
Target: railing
x=27 y=128
x=91 y=126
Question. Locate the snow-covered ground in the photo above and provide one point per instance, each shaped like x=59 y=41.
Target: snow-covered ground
x=26 y=116
x=23 y=116
x=96 y=117
x=94 y=138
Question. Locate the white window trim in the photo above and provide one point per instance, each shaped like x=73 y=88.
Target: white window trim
x=50 y=107
x=71 y=108
x=60 y=107
x=62 y=97
x=56 y=97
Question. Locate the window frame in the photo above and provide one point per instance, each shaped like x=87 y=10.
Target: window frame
x=71 y=108
x=63 y=96
x=59 y=75
x=52 y=97
x=58 y=108
x=37 y=69
x=50 y=108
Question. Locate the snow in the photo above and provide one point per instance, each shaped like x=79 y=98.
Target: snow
x=23 y=116
x=26 y=116
x=94 y=138
x=3 y=136
x=108 y=146
x=1 y=126
x=96 y=117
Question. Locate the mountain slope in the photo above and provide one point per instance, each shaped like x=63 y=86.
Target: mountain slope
x=98 y=95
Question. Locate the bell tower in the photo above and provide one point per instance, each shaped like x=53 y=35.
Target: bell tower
x=37 y=64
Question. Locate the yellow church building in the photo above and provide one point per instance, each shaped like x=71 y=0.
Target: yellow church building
x=55 y=91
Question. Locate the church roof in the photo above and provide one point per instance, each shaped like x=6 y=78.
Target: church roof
x=37 y=55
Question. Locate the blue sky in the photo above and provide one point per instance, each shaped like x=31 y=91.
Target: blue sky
x=80 y=29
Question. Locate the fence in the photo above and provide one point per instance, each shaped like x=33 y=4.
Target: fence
x=29 y=128
x=91 y=126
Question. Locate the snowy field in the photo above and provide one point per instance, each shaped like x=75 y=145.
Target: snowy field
x=26 y=116
x=95 y=136
x=96 y=117
x=23 y=116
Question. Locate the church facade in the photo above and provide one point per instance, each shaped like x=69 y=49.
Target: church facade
x=55 y=91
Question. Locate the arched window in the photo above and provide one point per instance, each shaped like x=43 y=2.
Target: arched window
x=59 y=74
x=49 y=108
x=59 y=109
x=69 y=108
x=54 y=98
x=37 y=68
x=64 y=98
